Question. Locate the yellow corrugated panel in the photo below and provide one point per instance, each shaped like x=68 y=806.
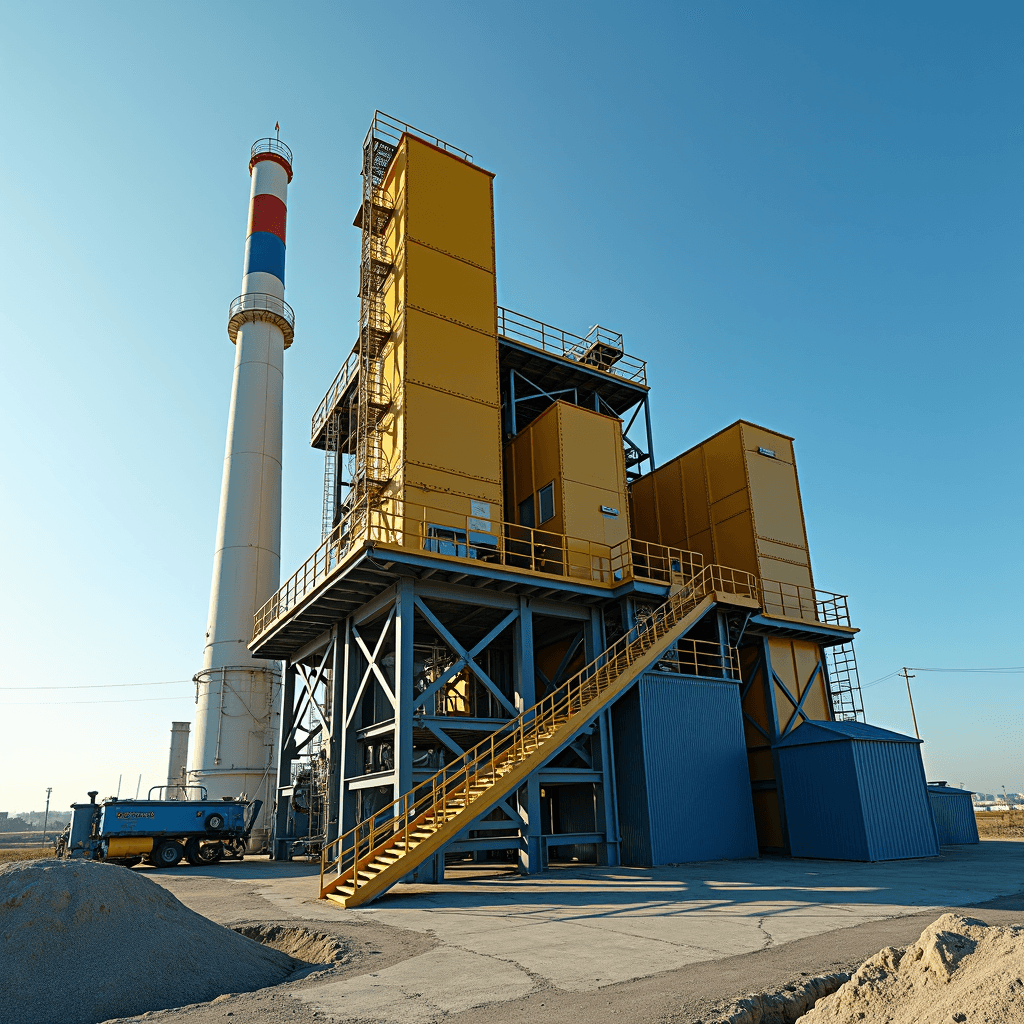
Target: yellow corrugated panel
x=447 y=287
x=580 y=453
x=450 y=433
x=795 y=662
x=732 y=503
x=442 y=434
x=453 y=358
x=449 y=204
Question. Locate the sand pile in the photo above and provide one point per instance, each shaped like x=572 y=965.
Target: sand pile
x=960 y=970
x=82 y=942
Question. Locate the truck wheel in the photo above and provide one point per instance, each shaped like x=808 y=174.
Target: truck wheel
x=215 y=822
x=167 y=854
x=197 y=852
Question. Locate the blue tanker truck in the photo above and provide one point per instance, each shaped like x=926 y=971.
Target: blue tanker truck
x=159 y=831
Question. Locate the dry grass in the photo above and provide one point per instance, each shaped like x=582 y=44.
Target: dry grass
x=1000 y=824
x=35 y=853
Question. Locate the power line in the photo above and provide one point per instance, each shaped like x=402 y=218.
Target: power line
x=965 y=671
x=1011 y=668
x=123 y=700
x=97 y=686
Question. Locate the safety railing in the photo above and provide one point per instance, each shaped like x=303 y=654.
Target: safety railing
x=569 y=346
x=387 y=127
x=261 y=306
x=452 y=789
x=646 y=560
x=341 y=382
x=460 y=535
x=275 y=146
x=791 y=601
x=700 y=658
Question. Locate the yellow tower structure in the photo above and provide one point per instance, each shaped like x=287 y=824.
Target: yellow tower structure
x=518 y=636
x=436 y=437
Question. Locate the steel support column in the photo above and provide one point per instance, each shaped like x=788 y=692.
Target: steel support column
x=776 y=731
x=286 y=750
x=531 y=850
x=404 y=624
x=349 y=749
x=336 y=718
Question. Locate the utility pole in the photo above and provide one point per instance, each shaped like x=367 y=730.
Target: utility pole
x=46 y=813
x=907 y=675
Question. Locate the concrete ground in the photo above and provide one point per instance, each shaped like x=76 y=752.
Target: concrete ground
x=615 y=944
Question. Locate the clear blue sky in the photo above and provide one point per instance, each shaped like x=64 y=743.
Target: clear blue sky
x=804 y=214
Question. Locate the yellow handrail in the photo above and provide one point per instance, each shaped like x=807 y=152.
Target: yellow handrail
x=439 y=798
x=460 y=535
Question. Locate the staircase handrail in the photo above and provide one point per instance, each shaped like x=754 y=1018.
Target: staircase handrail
x=433 y=796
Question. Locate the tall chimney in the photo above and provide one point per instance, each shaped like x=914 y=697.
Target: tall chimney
x=234 y=751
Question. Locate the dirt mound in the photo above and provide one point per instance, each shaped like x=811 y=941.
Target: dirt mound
x=300 y=943
x=82 y=942
x=782 y=1007
x=959 y=970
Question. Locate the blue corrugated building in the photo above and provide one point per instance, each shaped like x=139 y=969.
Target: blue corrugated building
x=681 y=766
x=953 y=810
x=855 y=792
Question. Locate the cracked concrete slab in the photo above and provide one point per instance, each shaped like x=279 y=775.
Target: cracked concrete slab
x=422 y=989
x=484 y=939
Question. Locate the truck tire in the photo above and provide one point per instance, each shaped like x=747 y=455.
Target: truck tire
x=214 y=822
x=167 y=854
x=198 y=853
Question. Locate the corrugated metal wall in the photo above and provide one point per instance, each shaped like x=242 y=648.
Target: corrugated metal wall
x=824 y=817
x=696 y=760
x=631 y=781
x=953 y=811
x=894 y=796
x=681 y=768
x=855 y=792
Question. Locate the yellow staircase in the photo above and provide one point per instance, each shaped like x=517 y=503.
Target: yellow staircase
x=366 y=861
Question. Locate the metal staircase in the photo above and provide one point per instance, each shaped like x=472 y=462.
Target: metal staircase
x=380 y=851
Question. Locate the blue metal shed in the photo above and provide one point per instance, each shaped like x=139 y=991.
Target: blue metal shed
x=681 y=771
x=953 y=811
x=852 y=791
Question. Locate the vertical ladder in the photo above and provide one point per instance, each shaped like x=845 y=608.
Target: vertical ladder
x=844 y=683
x=330 y=474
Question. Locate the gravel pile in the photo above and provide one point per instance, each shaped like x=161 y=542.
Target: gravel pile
x=82 y=942
x=960 y=970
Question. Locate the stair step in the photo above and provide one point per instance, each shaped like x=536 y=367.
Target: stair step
x=465 y=801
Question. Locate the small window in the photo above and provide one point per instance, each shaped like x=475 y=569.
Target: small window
x=526 y=513
x=547 y=502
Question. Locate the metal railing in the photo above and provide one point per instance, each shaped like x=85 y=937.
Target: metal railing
x=327 y=405
x=387 y=127
x=701 y=658
x=275 y=146
x=463 y=536
x=450 y=791
x=791 y=601
x=261 y=306
x=536 y=334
